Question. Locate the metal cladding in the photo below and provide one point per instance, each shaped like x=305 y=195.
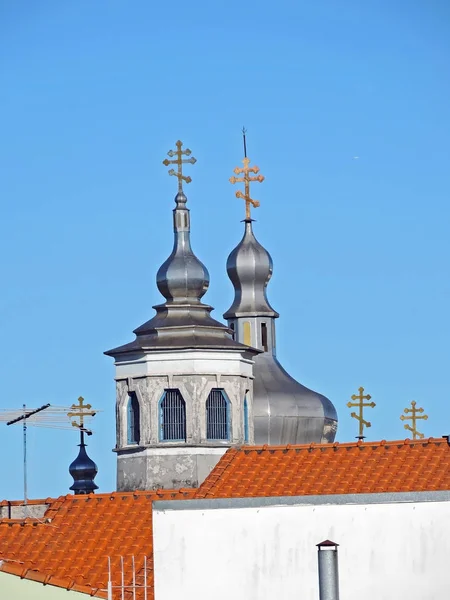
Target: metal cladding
x=182 y=278
x=83 y=470
x=285 y=411
x=183 y=321
x=250 y=267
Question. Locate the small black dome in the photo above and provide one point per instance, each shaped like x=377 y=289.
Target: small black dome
x=83 y=470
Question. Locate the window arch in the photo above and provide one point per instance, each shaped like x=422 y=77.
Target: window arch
x=217 y=416
x=245 y=420
x=133 y=419
x=172 y=416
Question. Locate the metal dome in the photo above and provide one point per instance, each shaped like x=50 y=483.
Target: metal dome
x=83 y=470
x=182 y=277
x=250 y=267
x=285 y=411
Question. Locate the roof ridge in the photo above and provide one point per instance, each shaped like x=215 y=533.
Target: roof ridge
x=86 y=497
x=328 y=445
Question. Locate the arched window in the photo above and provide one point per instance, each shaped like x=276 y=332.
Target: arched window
x=245 y=420
x=172 y=416
x=217 y=416
x=133 y=421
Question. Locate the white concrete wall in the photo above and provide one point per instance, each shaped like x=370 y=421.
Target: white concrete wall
x=387 y=551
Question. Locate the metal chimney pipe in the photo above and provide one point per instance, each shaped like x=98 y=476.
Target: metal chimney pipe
x=328 y=570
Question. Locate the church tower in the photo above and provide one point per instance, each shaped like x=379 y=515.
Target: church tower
x=284 y=411
x=184 y=386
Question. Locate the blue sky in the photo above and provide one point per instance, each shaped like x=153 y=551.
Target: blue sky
x=94 y=94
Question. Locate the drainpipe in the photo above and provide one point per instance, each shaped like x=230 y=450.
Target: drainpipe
x=328 y=570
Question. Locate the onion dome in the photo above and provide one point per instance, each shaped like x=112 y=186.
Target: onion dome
x=83 y=470
x=284 y=410
x=182 y=321
x=250 y=267
x=182 y=277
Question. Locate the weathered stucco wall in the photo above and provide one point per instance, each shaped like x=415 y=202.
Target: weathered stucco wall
x=168 y=468
x=154 y=463
x=387 y=550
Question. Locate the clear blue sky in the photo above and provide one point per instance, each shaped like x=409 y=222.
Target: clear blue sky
x=94 y=93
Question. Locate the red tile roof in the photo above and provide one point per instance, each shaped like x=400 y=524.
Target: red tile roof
x=322 y=469
x=69 y=546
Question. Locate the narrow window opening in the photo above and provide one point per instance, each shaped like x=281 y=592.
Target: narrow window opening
x=264 y=337
x=245 y=420
x=172 y=416
x=133 y=419
x=217 y=416
x=247 y=333
x=232 y=329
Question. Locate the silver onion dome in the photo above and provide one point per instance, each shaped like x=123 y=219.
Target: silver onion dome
x=285 y=411
x=182 y=321
x=182 y=277
x=250 y=267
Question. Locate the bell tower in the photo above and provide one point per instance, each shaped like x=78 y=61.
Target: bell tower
x=184 y=386
x=284 y=410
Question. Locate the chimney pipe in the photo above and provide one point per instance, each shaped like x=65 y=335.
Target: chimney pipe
x=328 y=570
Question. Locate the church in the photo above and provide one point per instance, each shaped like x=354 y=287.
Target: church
x=190 y=387
x=229 y=479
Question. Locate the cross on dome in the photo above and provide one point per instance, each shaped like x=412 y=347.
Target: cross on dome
x=179 y=161
x=246 y=179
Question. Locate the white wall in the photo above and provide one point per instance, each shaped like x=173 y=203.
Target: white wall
x=387 y=551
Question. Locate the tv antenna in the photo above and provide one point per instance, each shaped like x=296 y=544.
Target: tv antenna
x=53 y=417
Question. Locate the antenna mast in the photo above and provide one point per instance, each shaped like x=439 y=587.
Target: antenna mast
x=24 y=418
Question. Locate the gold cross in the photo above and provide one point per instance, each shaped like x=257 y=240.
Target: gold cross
x=246 y=179
x=81 y=411
x=414 y=417
x=361 y=405
x=179 y=161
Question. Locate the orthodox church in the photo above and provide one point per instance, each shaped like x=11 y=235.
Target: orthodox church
x=189 y=387
x=215 y=441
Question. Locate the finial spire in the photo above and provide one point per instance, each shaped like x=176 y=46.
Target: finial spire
x=179 y=161
x=413 y=418
x=246 y=179
x=83 y=469
x=361 y=405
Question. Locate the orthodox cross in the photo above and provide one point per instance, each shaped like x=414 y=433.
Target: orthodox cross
x=81 y=411
x=413 y=418
x=361 y=405
x=179 y=161
x=246 y=179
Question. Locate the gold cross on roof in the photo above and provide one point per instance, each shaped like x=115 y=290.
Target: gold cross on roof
x=80 y=411
x=179 y=161
x=361 y=405
x=413 y=418
x=246 y=179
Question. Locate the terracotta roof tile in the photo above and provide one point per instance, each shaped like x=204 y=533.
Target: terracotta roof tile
x=323 y=469
x=69 y=546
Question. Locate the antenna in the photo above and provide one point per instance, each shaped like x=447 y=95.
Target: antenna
x=24 y=418
x=53 y=417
